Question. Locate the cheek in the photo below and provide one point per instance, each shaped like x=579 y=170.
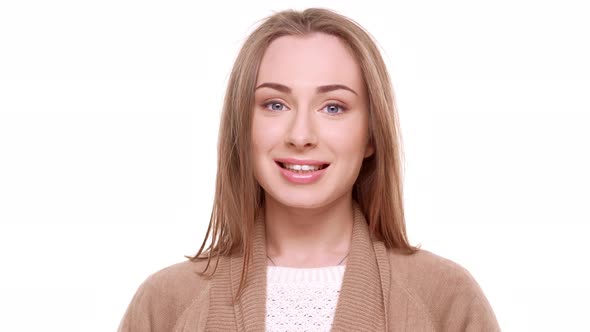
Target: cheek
x=350 y=137
x=265 y=134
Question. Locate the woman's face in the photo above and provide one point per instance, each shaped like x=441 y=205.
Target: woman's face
x=310 y=122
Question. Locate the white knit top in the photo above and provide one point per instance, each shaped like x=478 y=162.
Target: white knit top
x=302 y=299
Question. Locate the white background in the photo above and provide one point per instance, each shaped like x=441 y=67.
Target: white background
x=109 y=114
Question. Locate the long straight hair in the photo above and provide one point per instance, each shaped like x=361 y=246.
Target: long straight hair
x=238 y=196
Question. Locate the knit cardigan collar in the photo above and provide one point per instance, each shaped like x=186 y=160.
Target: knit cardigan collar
x=363 y=295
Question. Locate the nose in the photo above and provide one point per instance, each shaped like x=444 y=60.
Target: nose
x=301 y=133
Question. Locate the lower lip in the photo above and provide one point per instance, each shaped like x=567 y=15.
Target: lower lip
x=302 y=178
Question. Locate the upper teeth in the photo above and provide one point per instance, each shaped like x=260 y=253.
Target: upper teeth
x=302 y=167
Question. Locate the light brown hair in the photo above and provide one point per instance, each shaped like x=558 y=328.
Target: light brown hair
x=239 y=197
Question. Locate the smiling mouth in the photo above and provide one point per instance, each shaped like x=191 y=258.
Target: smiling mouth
x=302 y=169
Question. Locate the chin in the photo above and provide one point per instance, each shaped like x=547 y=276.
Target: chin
x=303 y=204
x=301 y=200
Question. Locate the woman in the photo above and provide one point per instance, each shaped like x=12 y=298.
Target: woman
x=307 y=230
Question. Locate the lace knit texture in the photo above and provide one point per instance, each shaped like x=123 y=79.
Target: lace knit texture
x=302 y=299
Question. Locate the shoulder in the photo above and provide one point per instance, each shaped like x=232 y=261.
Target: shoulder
x=183 y=277
x=445 y=290
x=427 y=264
x=164 y=295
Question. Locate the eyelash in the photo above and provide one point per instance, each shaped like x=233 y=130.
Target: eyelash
x=342 y=107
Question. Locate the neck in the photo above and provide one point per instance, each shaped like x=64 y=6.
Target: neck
x=316 y=237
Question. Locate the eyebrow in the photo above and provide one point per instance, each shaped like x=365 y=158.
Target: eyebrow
x=320 y=89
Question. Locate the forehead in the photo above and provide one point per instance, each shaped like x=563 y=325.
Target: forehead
x=310 y=60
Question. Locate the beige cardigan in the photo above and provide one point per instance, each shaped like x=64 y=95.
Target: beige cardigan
x=382 y=290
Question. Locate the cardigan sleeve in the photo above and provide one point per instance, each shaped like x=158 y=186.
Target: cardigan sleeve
x=141 y=311
x=163 y=297
x=442 y=292
x=467 y=308
x=480 y=316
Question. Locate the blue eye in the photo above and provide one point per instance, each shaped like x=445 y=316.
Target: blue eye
x=274 y=106
x=334 y=109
